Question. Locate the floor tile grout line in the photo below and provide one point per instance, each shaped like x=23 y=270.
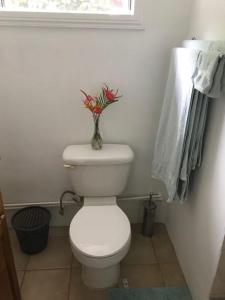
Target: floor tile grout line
x=154 y=250
x=69 y=284
x=20 y=270
x=139 y=264
x=165 y=262
x=21 y=284
x=28 y=261
x=162 y=275
x=48 y=269
x=159 y=265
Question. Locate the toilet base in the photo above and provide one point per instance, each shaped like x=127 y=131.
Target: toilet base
x=101 y=278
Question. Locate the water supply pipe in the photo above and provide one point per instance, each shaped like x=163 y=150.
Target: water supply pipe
x=76 y=198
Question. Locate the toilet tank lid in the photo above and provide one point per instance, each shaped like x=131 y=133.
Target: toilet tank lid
x=109 y=154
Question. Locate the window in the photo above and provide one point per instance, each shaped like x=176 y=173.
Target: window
x=72 y=13
x=123 y=7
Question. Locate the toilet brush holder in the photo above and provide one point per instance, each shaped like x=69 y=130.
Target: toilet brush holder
x=149 y=217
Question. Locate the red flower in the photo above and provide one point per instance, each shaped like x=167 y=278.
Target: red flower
x=97 y=104
x=110 y=94
x=88 y=97
x=97 y=110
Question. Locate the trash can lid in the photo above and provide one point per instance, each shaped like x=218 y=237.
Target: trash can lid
x=30 y=218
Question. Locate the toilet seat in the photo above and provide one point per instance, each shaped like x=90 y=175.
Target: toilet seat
x=100 y=231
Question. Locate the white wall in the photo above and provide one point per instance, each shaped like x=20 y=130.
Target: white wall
x=42 y=71
x=197 y=228
x=208 y=20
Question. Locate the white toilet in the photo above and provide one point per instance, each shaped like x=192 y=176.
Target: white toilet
x=100 y=232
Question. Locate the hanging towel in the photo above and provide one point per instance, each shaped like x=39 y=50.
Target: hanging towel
x=171 y=134
x=209 y=76
x=192 y=151
x=209 y=82
x=179 y=142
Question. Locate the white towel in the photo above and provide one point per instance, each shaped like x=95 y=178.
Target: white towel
x=174 y=117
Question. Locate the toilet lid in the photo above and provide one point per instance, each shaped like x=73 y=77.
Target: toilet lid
x=100 y=231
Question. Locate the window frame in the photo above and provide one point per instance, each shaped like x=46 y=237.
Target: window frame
x=73 y=19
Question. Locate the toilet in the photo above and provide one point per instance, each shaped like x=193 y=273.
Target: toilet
x=100 y=232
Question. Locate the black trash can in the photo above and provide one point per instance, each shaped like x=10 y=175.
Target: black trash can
x=149 y=218
x=32 y=227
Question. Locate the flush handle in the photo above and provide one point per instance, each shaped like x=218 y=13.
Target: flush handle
x=69 y=166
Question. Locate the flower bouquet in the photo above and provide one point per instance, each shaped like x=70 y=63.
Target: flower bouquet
x=96 y=105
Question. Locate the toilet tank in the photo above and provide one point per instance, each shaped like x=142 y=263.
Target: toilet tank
x=98 y=173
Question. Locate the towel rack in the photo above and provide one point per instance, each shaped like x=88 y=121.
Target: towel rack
x=216 y=45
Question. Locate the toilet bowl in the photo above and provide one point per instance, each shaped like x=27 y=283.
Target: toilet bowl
x=100 y=238
x=100 y=232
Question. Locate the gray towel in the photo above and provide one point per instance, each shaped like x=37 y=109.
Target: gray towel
x=209 y=76
x=209 y=82
x=192 y=154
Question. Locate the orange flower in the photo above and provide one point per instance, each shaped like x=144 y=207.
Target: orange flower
x=88 y=101
x=88 y=105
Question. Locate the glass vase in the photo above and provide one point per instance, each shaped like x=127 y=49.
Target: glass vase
x=96 y=141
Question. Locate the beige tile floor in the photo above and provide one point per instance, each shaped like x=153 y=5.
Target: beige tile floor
x=55 y=275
